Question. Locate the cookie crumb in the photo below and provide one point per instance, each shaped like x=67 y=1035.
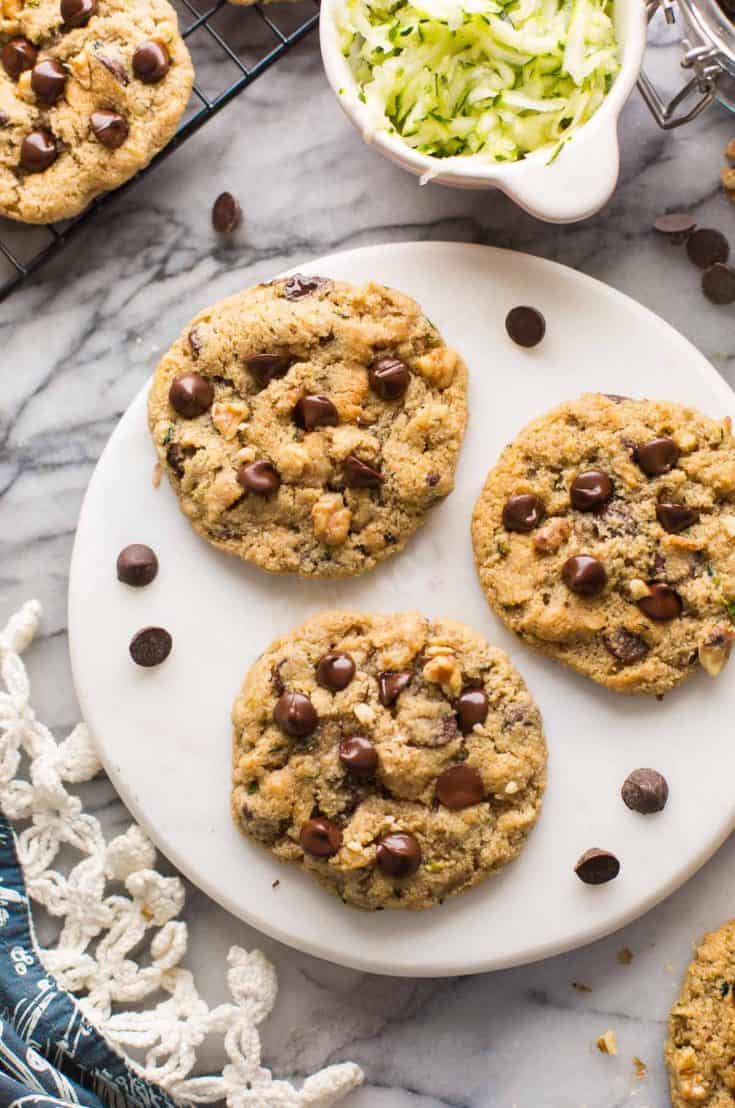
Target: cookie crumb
x=156 y=475
x=607 y=1043
x=641 y=1069
x=581 y=987
x=625 y=956
x=275 y=884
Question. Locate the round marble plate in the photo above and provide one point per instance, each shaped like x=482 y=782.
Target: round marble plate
x=164 y=734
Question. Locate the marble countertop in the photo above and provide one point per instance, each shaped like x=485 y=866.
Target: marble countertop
x=79 y=341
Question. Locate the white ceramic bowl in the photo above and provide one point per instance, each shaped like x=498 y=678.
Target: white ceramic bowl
x=573 y=187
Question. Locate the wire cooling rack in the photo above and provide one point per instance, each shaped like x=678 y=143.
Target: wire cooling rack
x=231 y=47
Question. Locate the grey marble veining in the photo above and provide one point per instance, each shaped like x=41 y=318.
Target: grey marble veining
x=81 y=339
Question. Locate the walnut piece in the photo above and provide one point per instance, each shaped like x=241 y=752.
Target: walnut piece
x=331 y=519
x=550 y=537
x=228 y=415
x=638 y=588
x=714 y=650
x=438 y=366
x=607 y=1043
x=443 y=670
x=727 y=175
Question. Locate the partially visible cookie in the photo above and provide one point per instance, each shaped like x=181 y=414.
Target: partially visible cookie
x=605 y=536
x=308 y=425
x=398 y=760
x=701 y=1044
x=90 y=90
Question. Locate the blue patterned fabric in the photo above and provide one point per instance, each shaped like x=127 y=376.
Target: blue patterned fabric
x=49 y=1053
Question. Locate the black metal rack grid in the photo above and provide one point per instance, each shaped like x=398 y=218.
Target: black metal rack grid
x=26 y=248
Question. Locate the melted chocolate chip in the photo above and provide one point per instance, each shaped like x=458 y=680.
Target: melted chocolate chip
x=523 y=512
x=17 y=55
x=359 y=475
x=399 y=854
x=677 y=226
x=705 y=246
x=315 y=411
x=358 y=756
x=675 y=517
x=584 y=575
x=590 y=490
x=596 y=867
x=48 y=81
x=150 y=647
x=137 y=565
x=335 y=671
x=657 y=456
x=38 y=151
x=175 y=458
x=526 y=326
x=77 y=13
x=433 y=479
x=115 y=67
x=226 y=214
x=391 y=684
x=645 y=791
x=718 y=283
x=472 y=708
x=302 y=285
x=625 y=646
x=320 y=837
x=264 y=367
x=460 y=787
x=151 y=62
x=295 y=714
x=662 y=604
x=260 y=477
x=109 y=128
x=389 y=377
x=191 y=395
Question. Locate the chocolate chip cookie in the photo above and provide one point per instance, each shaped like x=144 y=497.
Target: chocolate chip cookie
x=605 y=536
x=90 y=90
x=701 y=1042
x=398 y=760
x=308 y=425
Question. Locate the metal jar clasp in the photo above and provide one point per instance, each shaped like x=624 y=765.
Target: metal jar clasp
x=703 y=62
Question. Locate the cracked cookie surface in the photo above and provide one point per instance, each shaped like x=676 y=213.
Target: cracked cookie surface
x=90 y=90
x=398 y=760
x=605 y=537
x=308 y=425
x=701 y=1041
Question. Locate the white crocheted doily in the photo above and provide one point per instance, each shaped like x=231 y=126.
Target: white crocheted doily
x=168 y=1034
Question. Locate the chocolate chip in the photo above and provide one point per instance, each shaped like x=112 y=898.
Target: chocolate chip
x=260 y=477
x=315 y=411
x=77 y=13
x=302 y=285
x=358 y=755
x=472 y=707
x=226 y=214
x=625 y=646
x=151 y=62
x=590 y=490
x=295 y=714
x=38 y=151
x=195 y=343
x=584 y=575
x=523 y=512
x=389 y=377
x=677 y=226
x=4 y=119
x=150 y=647
x=663 y=603
x=191 y=395
x=137 y=565
x=115 y=67
x=18 y=55
x=433 y=479
x=460 y=787
x=359 y=475
x=645 y=791
x=706 y=246
x=320 y=837
x=675 y=517
x=264 y=367
x=596 y=867
x=335 y=671
x=399 y=854
x=526 y=326
x=657 y=456
x=175 y=459
x=109 y=128
x=48 y=81
x=718 y=283
x=391 y=684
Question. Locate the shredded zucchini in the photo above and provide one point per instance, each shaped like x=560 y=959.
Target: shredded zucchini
x=492 y=78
